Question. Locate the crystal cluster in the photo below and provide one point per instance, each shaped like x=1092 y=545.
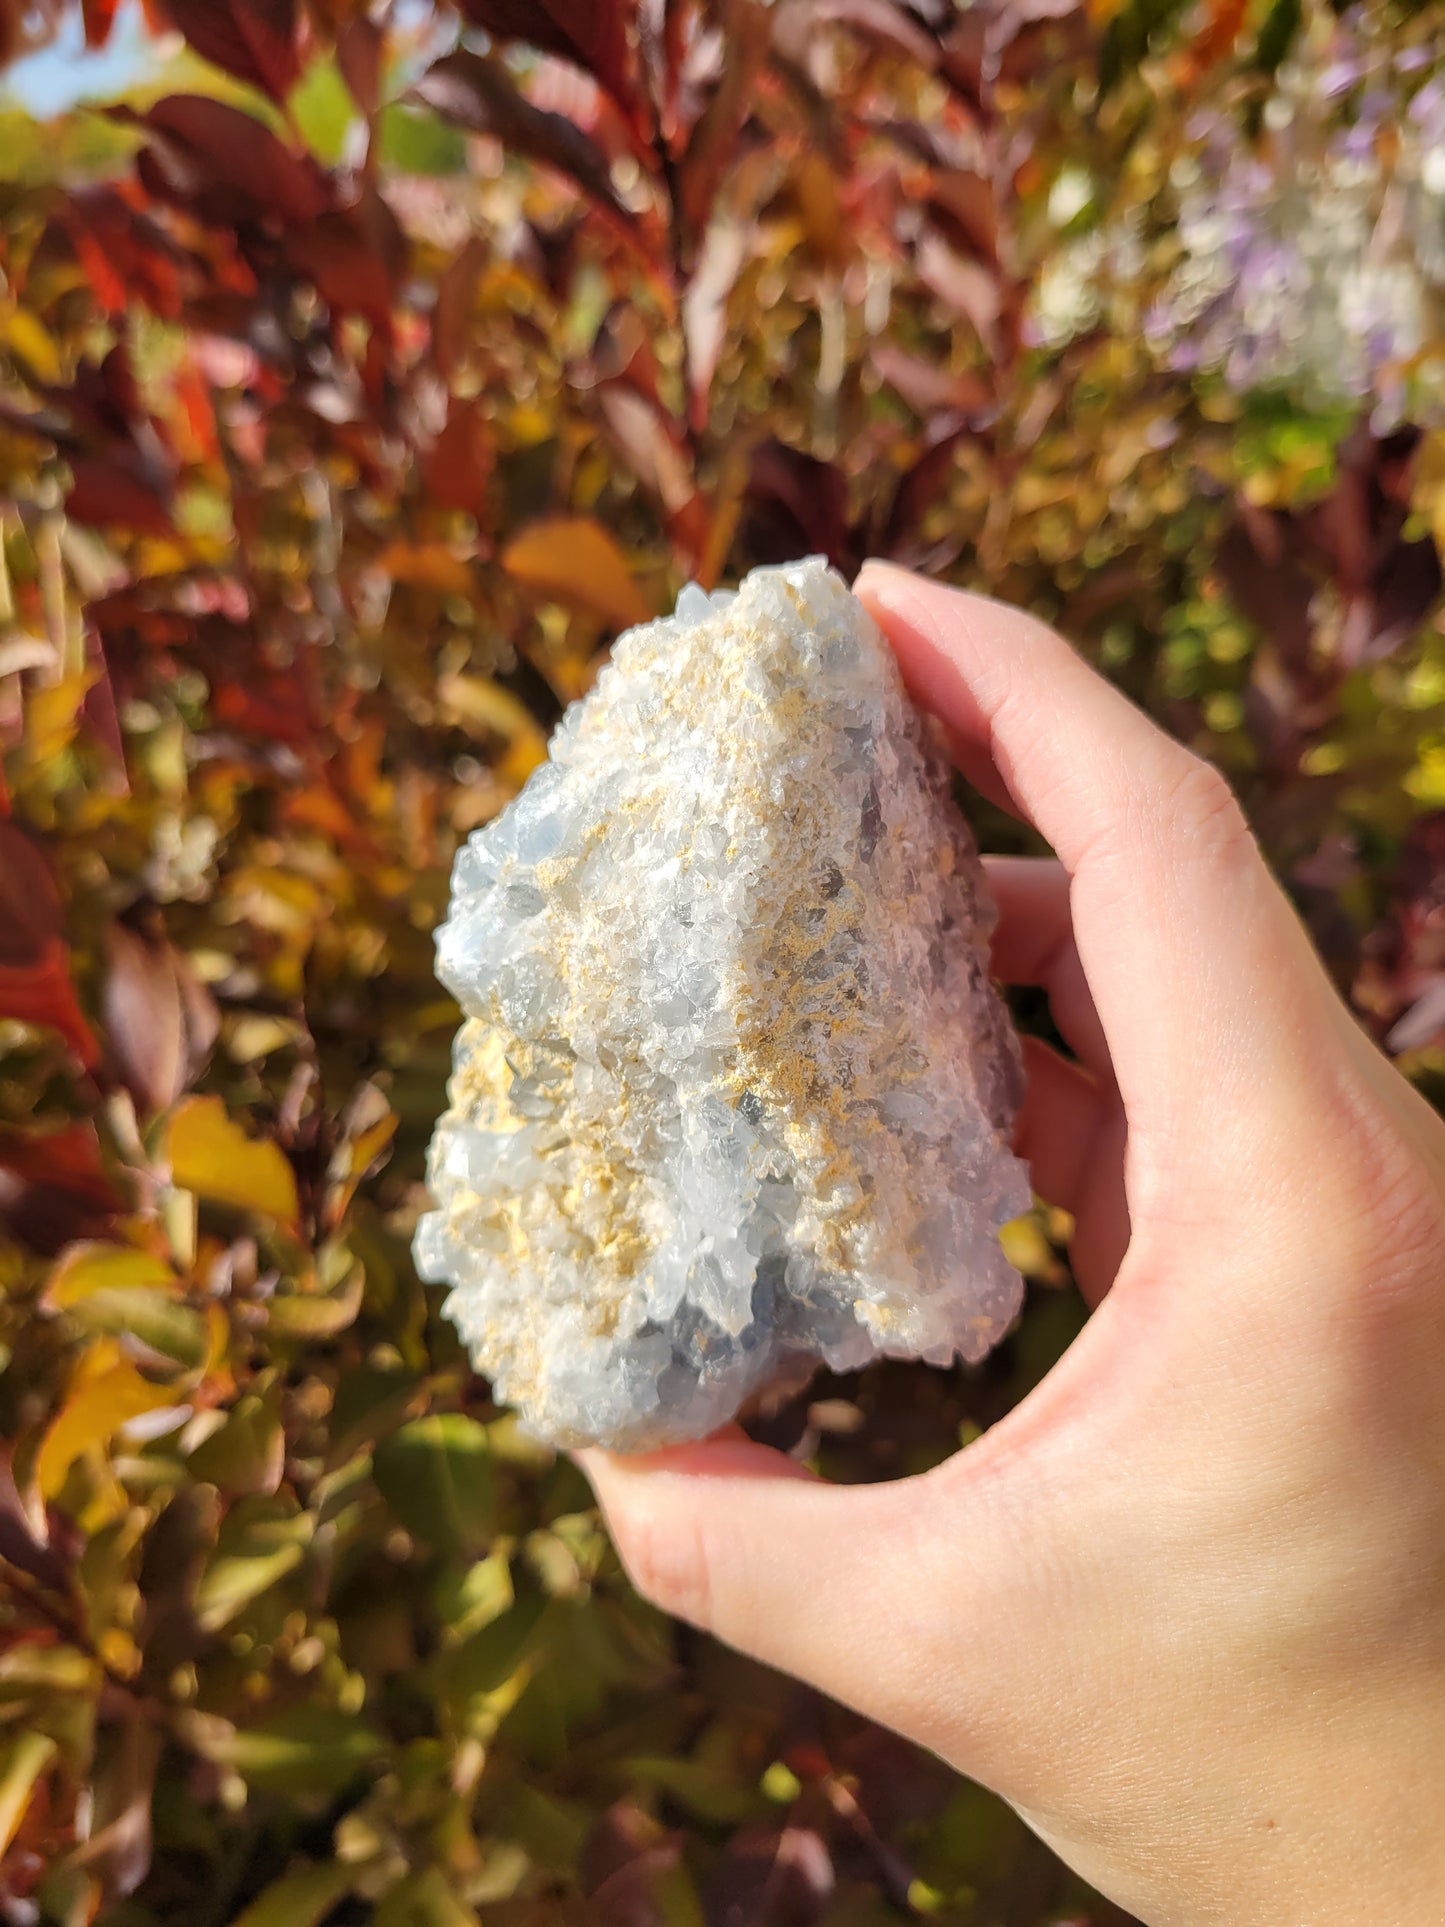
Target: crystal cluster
x=733 y=1094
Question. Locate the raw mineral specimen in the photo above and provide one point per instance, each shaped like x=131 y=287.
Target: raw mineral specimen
x=734 y=1091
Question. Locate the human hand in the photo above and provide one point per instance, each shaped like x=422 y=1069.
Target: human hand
x=1185 y=1606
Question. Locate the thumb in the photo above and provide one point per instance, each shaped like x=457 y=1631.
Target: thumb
x=855 y=1589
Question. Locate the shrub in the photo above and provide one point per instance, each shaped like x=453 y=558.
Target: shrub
x=363 y=375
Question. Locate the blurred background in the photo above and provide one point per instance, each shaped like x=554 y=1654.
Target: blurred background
x=365 y=367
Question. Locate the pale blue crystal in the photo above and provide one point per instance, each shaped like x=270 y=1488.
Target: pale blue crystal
x=734 y=1094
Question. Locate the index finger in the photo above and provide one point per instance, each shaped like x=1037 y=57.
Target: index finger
x=1197 y=964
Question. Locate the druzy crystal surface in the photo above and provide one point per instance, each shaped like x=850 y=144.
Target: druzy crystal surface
x=733 y=1094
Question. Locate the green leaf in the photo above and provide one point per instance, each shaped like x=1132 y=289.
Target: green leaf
x=712 y=1792
x=370 y=1400
x=257 y=1549
x=321 y=1314
x=232 y=1583
x=473 y=1599
x=26 y=1670
x=1276 y=35
x=436 y=1475
x=423 y=1900
x=156 y=1319
x=414 y=143
x=553 y=1830
x=303 y=1750
x=323 y=110
x=300 y=1898
x=245 y=1454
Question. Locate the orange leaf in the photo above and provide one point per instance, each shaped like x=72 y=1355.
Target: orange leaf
x=573 y=560
x=427 y=565
x=1222 y=24
x=212 y=1156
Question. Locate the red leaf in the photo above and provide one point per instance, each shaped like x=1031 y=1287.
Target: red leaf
x=920 y=486
x=453 y=329
x=773 y=1877
x=925 y=386
x=160 y=1020
x=103 y=400
x=704 y=308
x=223 y=164
x=31 y=912
x=256 y=40
x=592 y=34
x=461 y=460
x=350 y=272
x=359 y=49
x=797 y=24
x=962 y=284
x=41 y=993
x=477 y=93
x=118 y=490
x=650 y=443
x=1260 y=565
x=99 y=17
x=710 y=151
x=124 y=255
x=1223 y=20
x=966 y=210
x=798 y=505
x=35 y=986
x=274 y=704
x=53 y=1187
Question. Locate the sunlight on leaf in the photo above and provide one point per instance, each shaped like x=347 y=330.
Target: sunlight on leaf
x=573 y=560
x=212 y=1156
x=105 y=1393
x=436 y=1475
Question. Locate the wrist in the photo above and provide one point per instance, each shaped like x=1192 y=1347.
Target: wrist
x=1347 y=1829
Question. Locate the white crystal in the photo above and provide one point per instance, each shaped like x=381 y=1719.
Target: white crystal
x=734 y=1093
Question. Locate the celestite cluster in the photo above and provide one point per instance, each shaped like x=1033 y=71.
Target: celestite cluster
x=733 y=1094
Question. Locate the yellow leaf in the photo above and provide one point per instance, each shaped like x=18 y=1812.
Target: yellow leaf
x=475 y=703
x=572 y=559
x=366 y=1149
x=212 y=1156
x=361 y=1154
x=88 y=1268
x=33 y=342
x=106 y=1393
x=21 y=1765
x=52 y=714
x=1027 y=1249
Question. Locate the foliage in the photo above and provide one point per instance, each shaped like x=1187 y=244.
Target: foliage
x=351 y=399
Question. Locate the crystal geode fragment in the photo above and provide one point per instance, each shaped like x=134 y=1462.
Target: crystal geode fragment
x=734 y=1092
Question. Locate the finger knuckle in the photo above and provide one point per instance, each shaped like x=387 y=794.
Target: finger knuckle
x=1198 y=803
